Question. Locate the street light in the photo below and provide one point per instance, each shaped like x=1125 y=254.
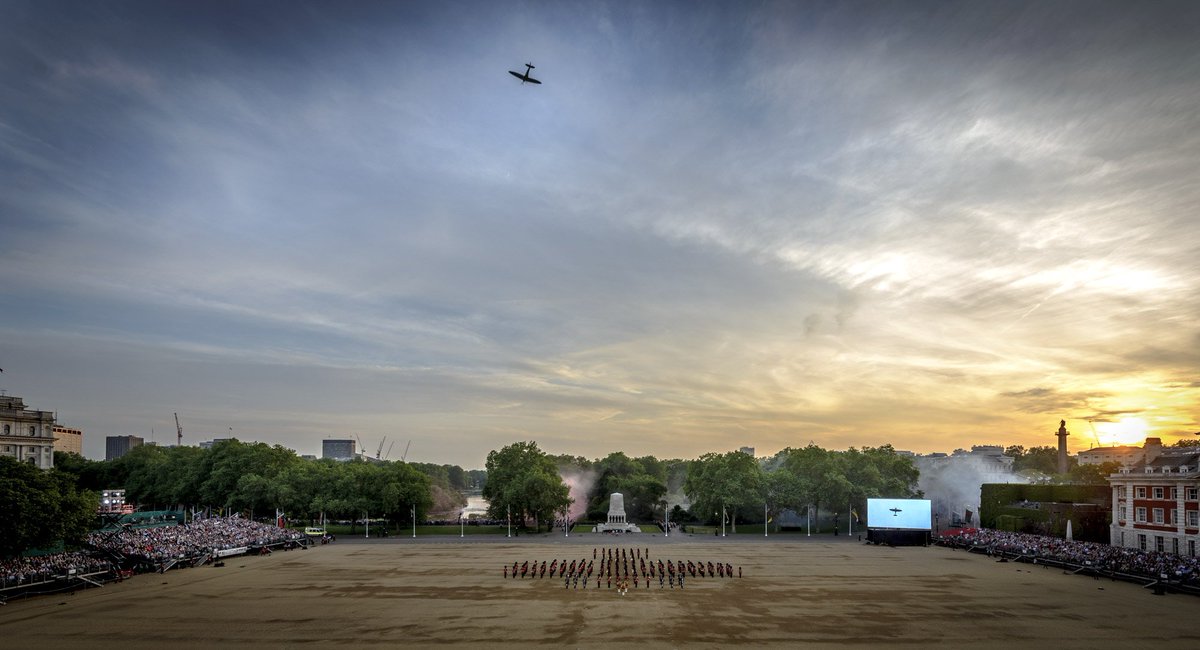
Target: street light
x=461 y=530
x=414 y=518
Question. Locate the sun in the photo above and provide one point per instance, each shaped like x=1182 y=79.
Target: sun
x=1126 y=431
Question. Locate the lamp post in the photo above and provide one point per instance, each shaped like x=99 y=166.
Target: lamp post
x=367 y=519
x=462 y=531
x=764 y=520
x=414 y=518
x=722 y=520
x=509 y=512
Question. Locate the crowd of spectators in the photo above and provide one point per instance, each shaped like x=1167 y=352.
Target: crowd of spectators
x=1098 y=557
x=192 y=539
x=159 y=545
x=18 y=571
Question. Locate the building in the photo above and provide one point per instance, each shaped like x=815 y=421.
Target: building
x=208 y=444
x=749 y=451
x=1156 y=505
x=1125 y=454
x=68 y=439
x=337 y=449
x=117 y=446
x=25 y=434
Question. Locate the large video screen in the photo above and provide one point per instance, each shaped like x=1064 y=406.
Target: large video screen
x=906 y=514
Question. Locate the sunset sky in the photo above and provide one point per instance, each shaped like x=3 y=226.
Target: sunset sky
x=713 y=225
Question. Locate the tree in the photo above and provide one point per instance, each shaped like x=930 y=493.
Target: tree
x=724 y=483
x=39 y=508
x=1041 y=459
x=1096 y=474
x=523 y=480
x=783 y=490
x=642 y=481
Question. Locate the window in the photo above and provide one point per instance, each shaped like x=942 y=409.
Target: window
x=1158 y=543
x=1158 y=493
x=1121 y=492
x=1158 y=515
x=1193 y=517
x=1139 y=492
x=7 y=429
x=1139 y=515
x=1174 y=493
x=1191 y=494
x=1192 y=547
x=1142 y=542
x=1175 y=545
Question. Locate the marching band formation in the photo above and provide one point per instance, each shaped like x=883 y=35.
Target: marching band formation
x=618 y=568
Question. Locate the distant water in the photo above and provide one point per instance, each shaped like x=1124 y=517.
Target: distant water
x=476 y=507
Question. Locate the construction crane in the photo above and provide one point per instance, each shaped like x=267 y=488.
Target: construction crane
x=379 y=452
x=178 y=432
x=404 y=458
x=360 y=445
x=1094 y=434
x=389 y=451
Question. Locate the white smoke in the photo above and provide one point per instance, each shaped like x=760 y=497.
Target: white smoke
x=953 y=483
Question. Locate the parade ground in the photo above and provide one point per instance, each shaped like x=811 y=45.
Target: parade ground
x=794 y=591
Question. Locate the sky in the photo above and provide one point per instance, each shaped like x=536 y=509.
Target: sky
x=713 y=225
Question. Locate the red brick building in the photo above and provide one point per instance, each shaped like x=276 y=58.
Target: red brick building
x=1156 y=503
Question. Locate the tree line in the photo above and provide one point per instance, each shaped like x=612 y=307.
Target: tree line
x=527 y=484
x=256 y=479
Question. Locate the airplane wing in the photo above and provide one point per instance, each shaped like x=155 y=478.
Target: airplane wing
x=518 y=75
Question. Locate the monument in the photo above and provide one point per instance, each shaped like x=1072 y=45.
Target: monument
x=616 y=517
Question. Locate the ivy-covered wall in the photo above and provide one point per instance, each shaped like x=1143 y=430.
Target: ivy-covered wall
x=1047 y=509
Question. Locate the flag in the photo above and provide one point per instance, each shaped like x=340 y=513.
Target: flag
x=854 y=513
x=770 y=519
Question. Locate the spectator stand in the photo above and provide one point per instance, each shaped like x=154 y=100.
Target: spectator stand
x=1162 y=572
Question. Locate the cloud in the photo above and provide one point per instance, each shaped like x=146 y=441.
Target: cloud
x=832 y=222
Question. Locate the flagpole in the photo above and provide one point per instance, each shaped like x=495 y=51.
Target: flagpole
x=509 y=511
x=723 y=520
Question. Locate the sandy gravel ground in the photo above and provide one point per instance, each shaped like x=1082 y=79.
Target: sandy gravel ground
x=442 y=592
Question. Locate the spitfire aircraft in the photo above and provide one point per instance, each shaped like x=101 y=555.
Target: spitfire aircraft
x=525 y=77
